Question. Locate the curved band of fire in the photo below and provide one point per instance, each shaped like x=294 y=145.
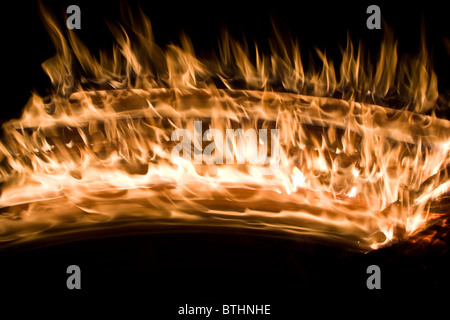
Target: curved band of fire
x=352 y=154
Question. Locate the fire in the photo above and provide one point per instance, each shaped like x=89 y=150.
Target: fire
x=351 y=166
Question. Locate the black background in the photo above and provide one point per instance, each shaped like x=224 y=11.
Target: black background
x=153 y=271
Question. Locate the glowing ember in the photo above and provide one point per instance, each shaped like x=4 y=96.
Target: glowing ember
x=100 y=148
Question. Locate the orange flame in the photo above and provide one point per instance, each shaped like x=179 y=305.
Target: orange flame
x=99 y=148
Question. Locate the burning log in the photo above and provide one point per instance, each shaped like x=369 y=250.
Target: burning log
x=136 y=121
x=396 y=124
x=344 y=169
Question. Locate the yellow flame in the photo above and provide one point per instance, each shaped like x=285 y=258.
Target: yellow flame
x=99 y=148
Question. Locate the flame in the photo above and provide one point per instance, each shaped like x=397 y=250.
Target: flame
x=352 y=167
